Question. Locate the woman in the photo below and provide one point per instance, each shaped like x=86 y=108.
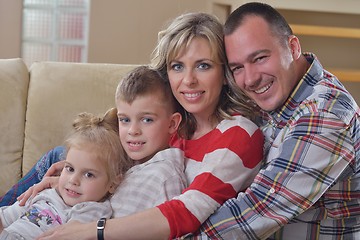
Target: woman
x=222 y=146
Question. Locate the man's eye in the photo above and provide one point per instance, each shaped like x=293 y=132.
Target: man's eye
x=236 y=69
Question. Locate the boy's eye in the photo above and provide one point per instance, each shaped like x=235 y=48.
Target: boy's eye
x=124 y=120
x=147 y=120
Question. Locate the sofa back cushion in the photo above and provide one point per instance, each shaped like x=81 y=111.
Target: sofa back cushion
x=14 y=81
x=57 y=93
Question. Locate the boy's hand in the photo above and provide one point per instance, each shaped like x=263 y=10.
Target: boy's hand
x=50 y=180
x=47 y=182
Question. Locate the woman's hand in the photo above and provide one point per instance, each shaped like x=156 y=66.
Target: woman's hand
x=71 y=230
x=50 y=180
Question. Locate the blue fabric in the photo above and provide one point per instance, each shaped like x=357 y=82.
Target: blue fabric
x=35 y=175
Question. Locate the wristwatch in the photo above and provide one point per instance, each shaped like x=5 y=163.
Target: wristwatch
x=100 y=228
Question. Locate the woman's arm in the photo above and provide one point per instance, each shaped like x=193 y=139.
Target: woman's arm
x=149 y=224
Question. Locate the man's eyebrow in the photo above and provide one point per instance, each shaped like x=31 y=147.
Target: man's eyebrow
x=249 y=57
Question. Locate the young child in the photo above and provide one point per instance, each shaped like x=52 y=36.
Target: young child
x=148 y=117
x=94 y=166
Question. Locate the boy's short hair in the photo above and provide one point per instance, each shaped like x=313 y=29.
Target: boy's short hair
x=144 y=80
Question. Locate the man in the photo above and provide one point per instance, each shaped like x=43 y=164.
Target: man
x=309 y=186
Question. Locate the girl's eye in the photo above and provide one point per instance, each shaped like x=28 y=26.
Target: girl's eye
x=69 y=168
x=89 y=175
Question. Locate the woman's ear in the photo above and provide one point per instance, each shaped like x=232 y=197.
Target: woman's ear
x=174 y=122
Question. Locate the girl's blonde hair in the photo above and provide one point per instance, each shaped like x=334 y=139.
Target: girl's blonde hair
x=102 y=133
x=178 y=36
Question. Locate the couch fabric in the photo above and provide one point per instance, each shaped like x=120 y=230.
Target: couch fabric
x=39 y=103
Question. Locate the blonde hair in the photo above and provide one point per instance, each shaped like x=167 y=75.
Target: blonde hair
x=176 y=37
x=102 y=133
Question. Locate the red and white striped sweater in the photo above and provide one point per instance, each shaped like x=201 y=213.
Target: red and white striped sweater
x=218 y=166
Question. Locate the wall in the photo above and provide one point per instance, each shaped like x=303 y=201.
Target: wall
x=10 y=28
x=126 y=31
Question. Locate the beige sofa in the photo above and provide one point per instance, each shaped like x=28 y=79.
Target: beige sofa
x=37 y=106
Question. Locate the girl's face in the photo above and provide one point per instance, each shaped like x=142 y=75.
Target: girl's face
x=84 y=177
x=196 y=79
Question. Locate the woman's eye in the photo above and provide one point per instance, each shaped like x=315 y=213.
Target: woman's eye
x=176 y=67
x=204 y=66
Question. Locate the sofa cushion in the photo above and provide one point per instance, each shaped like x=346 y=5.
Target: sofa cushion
x=14 y=80
x=57 y=93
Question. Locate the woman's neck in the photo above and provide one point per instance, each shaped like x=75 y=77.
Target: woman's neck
x=204 y=126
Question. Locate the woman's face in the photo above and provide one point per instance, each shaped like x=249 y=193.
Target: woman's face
x=196 y=79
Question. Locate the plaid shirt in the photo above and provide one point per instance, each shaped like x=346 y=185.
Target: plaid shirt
x=309 y=186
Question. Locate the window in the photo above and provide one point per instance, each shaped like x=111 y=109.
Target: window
x=55 y=30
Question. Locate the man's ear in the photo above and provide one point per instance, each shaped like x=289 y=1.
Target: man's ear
x=175 y=122
x=295 y=47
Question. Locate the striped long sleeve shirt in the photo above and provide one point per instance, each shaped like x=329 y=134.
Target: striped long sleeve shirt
x=217 y=166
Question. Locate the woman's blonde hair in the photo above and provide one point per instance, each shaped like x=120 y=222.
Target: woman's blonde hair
x=101 y=133
x=178 y=36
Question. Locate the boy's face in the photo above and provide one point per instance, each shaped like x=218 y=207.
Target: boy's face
x=145 y=126
x=84 y=177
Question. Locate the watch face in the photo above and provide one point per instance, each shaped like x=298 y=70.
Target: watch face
x=101 y=224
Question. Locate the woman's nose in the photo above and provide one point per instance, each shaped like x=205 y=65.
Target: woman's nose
x=190 y=78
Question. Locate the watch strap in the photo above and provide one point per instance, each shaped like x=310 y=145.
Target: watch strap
x=100 y=228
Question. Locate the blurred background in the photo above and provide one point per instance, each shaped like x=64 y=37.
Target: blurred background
x=125 y=31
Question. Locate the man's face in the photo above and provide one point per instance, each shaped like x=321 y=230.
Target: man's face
x=262 y=67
